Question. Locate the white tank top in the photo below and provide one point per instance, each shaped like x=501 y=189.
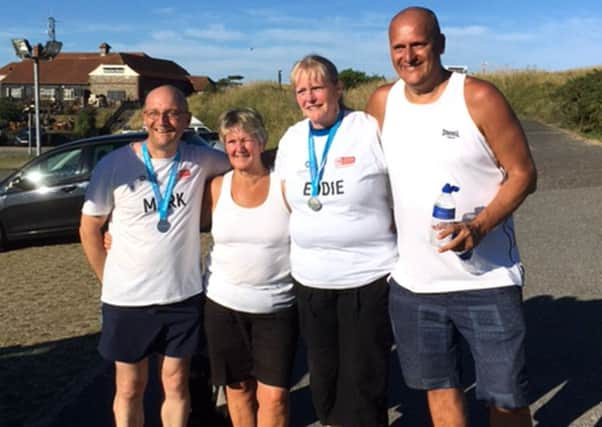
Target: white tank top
x=249 y=267
x=426 y=146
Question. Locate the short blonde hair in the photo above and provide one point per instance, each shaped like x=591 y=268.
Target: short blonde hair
x=315 y=65
x=246 y=119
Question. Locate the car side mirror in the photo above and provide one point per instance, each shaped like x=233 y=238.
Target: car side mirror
x=19 y=183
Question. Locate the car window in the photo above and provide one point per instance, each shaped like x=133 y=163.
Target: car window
x=99 y=151
x=56 y=169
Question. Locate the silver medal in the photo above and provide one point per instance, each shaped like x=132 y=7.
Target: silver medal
x=163 y=226
x=314 y=204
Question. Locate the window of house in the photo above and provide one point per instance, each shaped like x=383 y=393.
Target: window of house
x=47 y=92
x=116 y=95
x=16 y=92
x=69 y=94
x=113 y=70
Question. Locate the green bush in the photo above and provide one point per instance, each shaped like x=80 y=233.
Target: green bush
x=85 y=123
x=10 y=111
x=352 y=78
x=580 y=102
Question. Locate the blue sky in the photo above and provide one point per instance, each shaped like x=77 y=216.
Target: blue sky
x=256 y=39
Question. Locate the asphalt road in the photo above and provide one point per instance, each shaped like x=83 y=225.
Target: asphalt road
x=559 y=232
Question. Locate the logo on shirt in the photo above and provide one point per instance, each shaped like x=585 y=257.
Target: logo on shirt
x=183 y=173
x=450 y=134
x=344 y=161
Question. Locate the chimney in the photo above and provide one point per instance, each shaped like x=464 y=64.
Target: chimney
x=104 y=49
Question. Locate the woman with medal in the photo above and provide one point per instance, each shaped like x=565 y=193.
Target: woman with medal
x=250 y=312
x=342 y=247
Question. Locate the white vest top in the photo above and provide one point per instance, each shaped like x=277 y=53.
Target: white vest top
x=249 y=267
x=426 y=146
x=349 y=242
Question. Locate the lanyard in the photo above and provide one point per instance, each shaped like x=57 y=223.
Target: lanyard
x=316 y=173
x=162 y=201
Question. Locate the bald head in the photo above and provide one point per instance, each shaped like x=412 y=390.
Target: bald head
x=418 y=16
x=167 y=92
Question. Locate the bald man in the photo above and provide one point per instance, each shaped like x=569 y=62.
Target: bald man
x=150 y=192
x=443 y=128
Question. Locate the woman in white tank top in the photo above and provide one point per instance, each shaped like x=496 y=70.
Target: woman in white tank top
x=250 y=312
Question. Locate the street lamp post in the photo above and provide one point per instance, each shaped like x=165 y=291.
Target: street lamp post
x=24 y=51
x=28 y=111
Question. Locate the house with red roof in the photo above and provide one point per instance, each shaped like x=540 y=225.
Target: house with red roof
x=118 y=76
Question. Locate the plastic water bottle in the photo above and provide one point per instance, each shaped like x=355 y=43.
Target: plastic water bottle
x=444 y=212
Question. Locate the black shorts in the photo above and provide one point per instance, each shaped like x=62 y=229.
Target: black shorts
x=129 y=334
x=250 y=345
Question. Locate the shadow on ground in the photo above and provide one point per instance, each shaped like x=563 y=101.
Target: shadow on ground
x=564 y=354
x=36 y=378
x=564 y=359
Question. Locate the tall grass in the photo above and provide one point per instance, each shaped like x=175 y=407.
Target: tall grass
x=276 y=105
x=532 y=94
x=537 y=95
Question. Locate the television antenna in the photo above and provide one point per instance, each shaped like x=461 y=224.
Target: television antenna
x=51 y=30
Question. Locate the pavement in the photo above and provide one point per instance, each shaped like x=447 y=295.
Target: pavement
x=559 y=229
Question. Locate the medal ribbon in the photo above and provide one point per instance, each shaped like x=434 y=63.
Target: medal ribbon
x=316 y=173
x=162 y=201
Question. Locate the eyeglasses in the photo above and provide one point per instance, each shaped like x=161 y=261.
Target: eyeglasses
x=170 y=114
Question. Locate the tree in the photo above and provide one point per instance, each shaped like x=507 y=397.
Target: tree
x=10 y=111
x=85 y=123
x=352 y=78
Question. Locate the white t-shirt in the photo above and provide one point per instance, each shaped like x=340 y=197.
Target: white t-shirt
x=349 y=242
x=427 y=146
x=249 y=268
x=145 y=266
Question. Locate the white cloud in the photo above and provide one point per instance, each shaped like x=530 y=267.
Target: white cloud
x=515 y=37
x=468 y=31
x=216 y=32
x=165 y=35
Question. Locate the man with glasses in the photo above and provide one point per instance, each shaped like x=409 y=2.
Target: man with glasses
x=150 y=192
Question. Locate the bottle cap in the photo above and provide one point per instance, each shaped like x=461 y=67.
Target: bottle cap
x=448 y=188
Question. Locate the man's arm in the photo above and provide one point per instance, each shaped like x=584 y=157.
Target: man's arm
x=503 y=132
x=378 y=102
x=90 y=233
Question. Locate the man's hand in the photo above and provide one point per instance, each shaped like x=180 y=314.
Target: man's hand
x=465 y=236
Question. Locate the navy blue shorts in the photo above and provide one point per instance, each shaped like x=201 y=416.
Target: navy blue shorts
x=129 y=334
x=427 y=329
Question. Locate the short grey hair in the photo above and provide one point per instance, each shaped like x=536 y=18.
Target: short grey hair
x=247 y=119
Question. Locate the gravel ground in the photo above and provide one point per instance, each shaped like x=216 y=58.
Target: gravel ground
x=50 y=317
x=49 y=312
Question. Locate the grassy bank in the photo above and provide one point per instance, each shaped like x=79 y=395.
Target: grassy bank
x=568 y=99
x=556 y=98
x=13 y=160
